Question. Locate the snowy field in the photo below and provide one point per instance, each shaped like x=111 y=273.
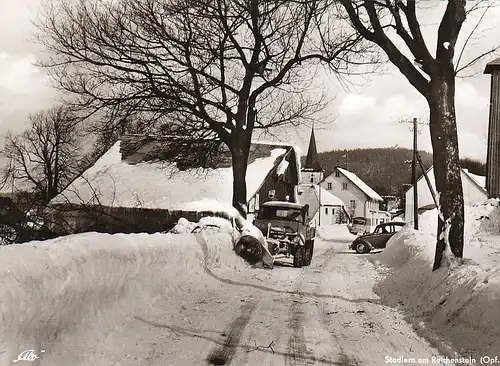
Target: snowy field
x=460 y=303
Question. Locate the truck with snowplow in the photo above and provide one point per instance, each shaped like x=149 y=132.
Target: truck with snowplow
x=287 y=230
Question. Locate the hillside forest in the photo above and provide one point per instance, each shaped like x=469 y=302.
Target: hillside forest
x=386 y=170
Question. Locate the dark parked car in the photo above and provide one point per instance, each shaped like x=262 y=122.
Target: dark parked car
x=378 y=239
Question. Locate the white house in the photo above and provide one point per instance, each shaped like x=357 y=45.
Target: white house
x=359 y=198
x=324 y=207
x=473 y=188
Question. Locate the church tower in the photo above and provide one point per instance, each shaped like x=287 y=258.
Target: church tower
x=493 y=153
x=311 y=171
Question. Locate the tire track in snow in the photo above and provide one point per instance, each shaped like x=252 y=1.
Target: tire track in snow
x=344 y=359
x=223 y=355
x=331 y=254
x=297 y=352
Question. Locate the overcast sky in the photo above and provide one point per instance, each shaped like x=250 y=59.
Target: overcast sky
x=366 y=115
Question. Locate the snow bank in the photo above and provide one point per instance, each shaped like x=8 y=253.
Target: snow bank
x=335 y=232
x=184 y=226
x=458 y=304
x=49 y=288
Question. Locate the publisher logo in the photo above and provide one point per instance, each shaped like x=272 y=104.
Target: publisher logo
x=28 y=355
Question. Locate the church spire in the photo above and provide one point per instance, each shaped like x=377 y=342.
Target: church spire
x=312 y=162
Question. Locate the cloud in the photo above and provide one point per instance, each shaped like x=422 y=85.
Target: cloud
x=17 y=73
x=356 y=103
x=472 y=145
x=467 y=95
x=24 y=89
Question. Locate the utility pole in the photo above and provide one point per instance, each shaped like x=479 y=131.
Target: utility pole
x=415 y=131
x=319 y=198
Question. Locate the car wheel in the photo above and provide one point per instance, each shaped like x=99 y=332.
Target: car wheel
x=299 y=257
x=362 y=248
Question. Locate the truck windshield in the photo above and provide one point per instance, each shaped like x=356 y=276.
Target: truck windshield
x=280 y=213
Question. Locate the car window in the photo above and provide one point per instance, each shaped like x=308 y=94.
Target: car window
x=288 y=214
x=396 y=228
x=382 y=230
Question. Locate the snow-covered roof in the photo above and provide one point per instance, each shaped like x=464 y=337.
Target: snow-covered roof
x=327 y=199
x=480 y=180
x=309 y=193
x=360 y=184
x=296 y=149
x=114 y=181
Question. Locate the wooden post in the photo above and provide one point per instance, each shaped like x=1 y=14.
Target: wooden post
x=429 y=184
x=414 y=176
x=493 y=152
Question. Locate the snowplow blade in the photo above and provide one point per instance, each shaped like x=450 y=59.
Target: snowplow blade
x=252 y=245
x=253 y=251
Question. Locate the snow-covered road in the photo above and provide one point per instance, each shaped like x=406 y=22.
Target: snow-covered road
x=323 y=314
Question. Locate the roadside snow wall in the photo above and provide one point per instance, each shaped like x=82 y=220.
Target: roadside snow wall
x=336 y=232
x=49 y=288
x=459 y=305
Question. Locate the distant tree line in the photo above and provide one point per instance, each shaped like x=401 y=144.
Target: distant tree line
x=386 y=170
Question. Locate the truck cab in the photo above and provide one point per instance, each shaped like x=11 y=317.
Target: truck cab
x=287 y=230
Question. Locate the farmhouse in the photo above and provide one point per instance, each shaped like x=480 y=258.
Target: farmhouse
x=136 y=186
x=359 y=198
x=473 y=188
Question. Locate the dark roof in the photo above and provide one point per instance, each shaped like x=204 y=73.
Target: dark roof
x=142 y=148
x=492 y=65
x=312 y=161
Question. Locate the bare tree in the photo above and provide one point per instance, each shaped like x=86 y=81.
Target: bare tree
x=44 y=158
x=433 y=75
x=208 y=66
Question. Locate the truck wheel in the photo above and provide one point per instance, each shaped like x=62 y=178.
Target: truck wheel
x=299 y=257
x=309 y=252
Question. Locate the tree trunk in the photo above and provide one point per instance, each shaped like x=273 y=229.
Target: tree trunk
x=446 y=168
x=240 y=147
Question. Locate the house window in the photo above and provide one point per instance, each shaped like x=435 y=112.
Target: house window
x=344 y=186
x=353 y=204
x=329 y=186
x=337 y=174
x=312 y=178
x=326 y=210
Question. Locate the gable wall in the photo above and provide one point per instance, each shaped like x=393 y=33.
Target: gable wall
x=283 y=185
x=351 y=193
x=473 y=195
